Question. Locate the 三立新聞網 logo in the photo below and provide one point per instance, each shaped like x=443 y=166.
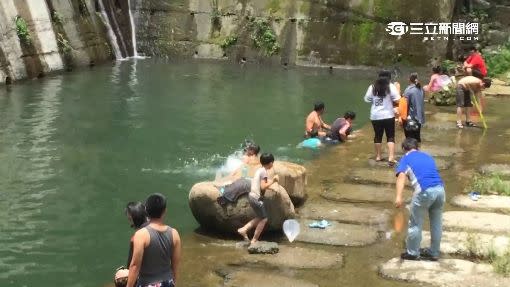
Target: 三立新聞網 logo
x=435 y=31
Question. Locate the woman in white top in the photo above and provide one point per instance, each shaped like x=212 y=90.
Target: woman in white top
x=382 y=95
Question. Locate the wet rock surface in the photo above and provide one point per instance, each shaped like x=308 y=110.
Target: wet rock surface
x=293 y=178
x=228 y=218
x=338 y=234
x=360 y=193
x=441 y=126
x=263 y=279
x=476 y=221
x=498 y=203
x=344 y=212
x=296 y=257
x=441 y=151
x=470 y=243
x=441 y=273
x=263 y=247
x=372 y=176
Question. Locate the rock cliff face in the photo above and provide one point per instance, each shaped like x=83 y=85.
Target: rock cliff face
x=307 y=31
x=42 y=36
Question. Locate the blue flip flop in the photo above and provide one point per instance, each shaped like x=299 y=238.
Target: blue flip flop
x=474 y=195
x=319 y=224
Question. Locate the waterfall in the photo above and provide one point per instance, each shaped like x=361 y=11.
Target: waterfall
x=133 y=30
x=111 y=34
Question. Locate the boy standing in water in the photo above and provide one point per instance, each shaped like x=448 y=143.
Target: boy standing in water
x=259 y=185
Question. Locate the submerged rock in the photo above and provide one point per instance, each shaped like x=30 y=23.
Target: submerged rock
x=360 y=193
x=441 y=126
x=471 y=244
x=227 y=219
x=263 y=247
x=476 y=221
x=263 y=279
x=445 y=151
x=338 y=234
x=372 y=176
x=499 y=203
x=295 y=257
x=441 y=273
x=345 y=213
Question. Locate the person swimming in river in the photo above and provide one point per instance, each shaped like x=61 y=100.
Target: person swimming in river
x=341 y=128
x=314 y=121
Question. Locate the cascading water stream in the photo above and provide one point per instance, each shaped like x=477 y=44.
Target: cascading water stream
x=133 y=31
x=111 y=35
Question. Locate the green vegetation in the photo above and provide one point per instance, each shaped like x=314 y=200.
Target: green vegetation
x=215 y=15
x=264 y=37
x=273 y=6
x=366 y=29
x=498 y=62
x=501 y=264
x=63 y=44
x=491 y=184
x=57 y=19
x=22 y=30
x=228 y=42
x=383 y=9
x=449 y=65
x=472 y=245
x=445 y=97
x=477 y=15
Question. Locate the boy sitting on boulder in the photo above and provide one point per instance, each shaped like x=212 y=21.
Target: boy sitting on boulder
x=259 y=185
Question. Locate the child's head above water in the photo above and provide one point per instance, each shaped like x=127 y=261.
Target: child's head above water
x=252 y=150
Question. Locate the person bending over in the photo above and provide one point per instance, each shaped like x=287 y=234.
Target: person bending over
x=465 y=86
x=259 y=184
x=428 y=196
x=341 y=128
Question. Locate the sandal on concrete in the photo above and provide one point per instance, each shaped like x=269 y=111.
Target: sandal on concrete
x=471 y=124
x=459 y=125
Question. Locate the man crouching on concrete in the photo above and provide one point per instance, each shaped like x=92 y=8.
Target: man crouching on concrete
x=429 y=195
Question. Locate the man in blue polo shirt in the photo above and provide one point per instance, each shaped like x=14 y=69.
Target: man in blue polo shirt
x=429 y=195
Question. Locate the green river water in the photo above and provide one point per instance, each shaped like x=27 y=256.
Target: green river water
x=75 y=148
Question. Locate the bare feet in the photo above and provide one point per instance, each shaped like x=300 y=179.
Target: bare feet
x=242 y=232
x=253 y=242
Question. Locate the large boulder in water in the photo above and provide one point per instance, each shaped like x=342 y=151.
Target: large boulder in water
x=293 y=178
x=228 y=218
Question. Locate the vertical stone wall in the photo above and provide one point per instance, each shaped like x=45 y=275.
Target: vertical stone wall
x=60 y=34
x=308 y=31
